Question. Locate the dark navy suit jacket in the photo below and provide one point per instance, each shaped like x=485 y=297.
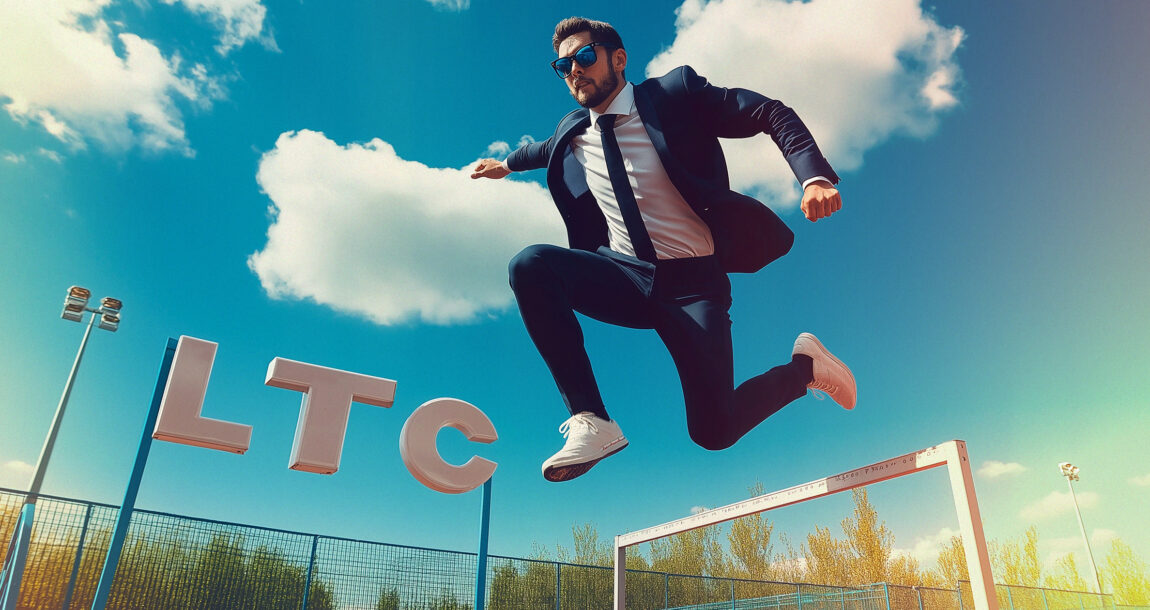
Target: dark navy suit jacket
x=685 y=116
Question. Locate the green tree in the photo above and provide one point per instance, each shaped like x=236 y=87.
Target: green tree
x=827 y=559
x=446 y=600
x=869 y=539
x=750 y=545
x=1065 y=575
x=388 y=599
x=952 y=566
x=1125 y=574
x=1016 y=562
x=589 y=549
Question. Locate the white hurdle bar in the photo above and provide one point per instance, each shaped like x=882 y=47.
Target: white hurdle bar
x=952 y=454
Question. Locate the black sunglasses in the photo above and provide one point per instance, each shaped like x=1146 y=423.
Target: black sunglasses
x=585 y=57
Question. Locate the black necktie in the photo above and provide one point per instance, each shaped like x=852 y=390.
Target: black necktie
x=624 y=196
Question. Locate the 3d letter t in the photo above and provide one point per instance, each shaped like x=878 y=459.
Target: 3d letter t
x=328 y=394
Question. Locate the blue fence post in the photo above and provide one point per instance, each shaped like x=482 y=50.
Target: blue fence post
x=484 y=529
x=125 y=517
x=799 y=596
x=1045 y=605
x=13 y=572
x=310 y=569
x=558 y=582
x=732 y=595
x=76 y=563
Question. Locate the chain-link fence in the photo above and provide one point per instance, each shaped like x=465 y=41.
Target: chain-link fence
x=174 y=562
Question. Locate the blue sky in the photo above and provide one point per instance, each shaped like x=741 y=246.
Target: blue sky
x=285 y=179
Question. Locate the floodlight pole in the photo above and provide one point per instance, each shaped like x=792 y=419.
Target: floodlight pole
x=12 y=571
x=1082 y=526
x=50 y=442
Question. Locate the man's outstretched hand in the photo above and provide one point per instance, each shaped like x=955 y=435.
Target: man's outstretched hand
x=820 y=199
x=489 y=168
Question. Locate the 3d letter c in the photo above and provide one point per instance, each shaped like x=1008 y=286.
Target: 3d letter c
x=417 y=445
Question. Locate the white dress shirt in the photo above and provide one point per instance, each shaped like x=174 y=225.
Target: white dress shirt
x=675 y=230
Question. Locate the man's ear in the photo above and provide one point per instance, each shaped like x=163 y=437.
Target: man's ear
x=619 y=59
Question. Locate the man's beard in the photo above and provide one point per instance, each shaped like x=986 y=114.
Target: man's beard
x=602 y=91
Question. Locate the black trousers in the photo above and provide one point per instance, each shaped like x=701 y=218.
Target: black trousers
x=685 y=300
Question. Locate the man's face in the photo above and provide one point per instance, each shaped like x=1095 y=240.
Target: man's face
x=590 y=86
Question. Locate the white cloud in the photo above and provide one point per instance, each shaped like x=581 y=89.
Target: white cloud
x=797 y=565
x=927 y=548
x=11 y=157
x=498 y=149
x=60 y=69
x=360 y=229
x=451 y=5
x=239 y=21
x=1142 y=481
x=50 y=155
x=1059 y=547
x=1057 y=503
x=16 y=474
x=993 y=469
x=857 y=73
x=698 y=509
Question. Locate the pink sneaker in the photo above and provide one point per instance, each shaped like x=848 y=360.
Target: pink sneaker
x=830 y=374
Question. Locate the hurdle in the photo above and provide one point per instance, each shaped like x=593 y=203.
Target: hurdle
x=951 y=454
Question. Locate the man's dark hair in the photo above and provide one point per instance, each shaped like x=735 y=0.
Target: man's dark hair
x=601 y=32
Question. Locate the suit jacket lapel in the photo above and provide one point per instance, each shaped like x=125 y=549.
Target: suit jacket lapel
x=654 y=126
x=564 y=175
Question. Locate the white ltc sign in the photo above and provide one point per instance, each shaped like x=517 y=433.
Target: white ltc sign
x=328 y=394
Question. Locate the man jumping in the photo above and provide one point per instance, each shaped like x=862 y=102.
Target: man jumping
x=639 y=178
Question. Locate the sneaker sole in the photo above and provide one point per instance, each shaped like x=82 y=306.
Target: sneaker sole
x=558 y=474
x=828 y=354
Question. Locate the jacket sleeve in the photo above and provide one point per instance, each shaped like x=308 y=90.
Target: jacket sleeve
x=741 y=113
x=530 y=156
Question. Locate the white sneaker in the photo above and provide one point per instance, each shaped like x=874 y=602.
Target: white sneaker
x=589 y=439
x=830 y=374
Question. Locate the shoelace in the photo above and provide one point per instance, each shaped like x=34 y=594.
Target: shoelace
x=579 y=418
x=820 y=390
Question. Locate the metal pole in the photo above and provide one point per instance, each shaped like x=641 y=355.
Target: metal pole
x=104 y=588
x=1085 y=540
x=558 y=583
x=484 y=529
x=76 y=563
x=50 y=442
x=13 y=571
x=310 y=568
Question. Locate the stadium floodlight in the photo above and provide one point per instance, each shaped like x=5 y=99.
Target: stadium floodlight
x=108 y=315
x=1070 y=471
x=75 y=303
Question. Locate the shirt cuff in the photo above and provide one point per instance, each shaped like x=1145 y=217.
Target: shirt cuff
x=504 y=164
x=808 y=181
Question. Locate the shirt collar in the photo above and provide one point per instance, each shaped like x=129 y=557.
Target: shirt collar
x=624 y=103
